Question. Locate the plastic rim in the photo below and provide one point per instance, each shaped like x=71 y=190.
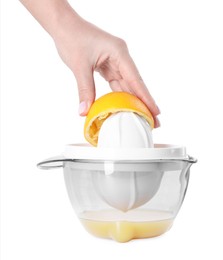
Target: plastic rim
x=160 y=151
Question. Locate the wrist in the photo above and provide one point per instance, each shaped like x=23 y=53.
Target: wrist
x=53 y=15
x=64 y=17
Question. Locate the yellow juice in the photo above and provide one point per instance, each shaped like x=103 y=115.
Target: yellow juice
x=124 y=227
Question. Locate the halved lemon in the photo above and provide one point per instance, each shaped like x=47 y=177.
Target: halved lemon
x=109 y=104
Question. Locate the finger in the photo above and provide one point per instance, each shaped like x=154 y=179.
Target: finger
x=125 y=87
x=143 y=93
x=115 y=86
x=86 y=89
x=156 y=122
x=120 y=86
x=135 y=83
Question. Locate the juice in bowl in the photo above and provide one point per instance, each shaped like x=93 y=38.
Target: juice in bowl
x=124 y=227
x=121 y=185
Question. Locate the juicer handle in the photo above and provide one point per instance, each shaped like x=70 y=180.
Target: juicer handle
x=52 y=163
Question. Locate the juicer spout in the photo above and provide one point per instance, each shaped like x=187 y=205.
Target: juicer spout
x=191 y=159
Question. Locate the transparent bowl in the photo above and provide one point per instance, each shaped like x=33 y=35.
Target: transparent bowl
x=93 y=184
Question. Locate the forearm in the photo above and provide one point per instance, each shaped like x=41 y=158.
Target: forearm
x=53 y=15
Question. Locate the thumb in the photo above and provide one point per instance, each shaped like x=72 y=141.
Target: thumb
x=86 y=90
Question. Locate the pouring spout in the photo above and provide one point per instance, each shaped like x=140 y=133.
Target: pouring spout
x=191 y=159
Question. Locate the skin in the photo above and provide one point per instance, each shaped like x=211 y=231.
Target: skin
x=85 y=48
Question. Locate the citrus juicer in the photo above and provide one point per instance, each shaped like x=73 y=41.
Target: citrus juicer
x=126 y=187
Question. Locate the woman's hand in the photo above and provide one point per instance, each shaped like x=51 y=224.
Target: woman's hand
x=85 y=48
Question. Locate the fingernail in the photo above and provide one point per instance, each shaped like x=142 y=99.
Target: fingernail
x=158 y=109
x=157 y=122
x=82 y=108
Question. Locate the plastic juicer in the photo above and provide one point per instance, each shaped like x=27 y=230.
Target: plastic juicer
x=127 y=190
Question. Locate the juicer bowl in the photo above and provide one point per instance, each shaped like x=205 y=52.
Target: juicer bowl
x=125 y=199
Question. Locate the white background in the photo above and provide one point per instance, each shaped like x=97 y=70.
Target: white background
x=178 y=48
